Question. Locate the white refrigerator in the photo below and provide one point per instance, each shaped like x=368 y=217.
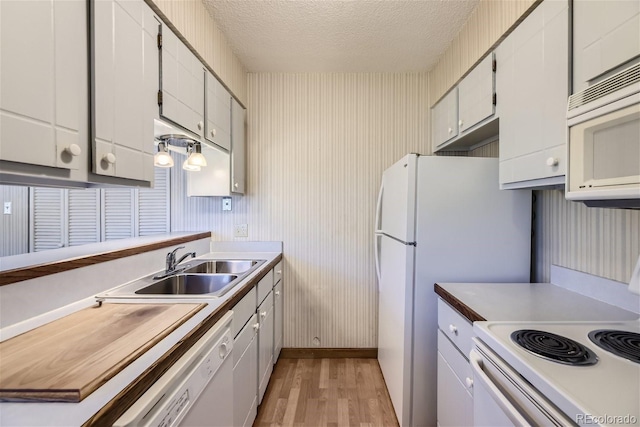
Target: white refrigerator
x=439 y=219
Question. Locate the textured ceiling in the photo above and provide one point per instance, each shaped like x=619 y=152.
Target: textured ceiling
x=339 y=36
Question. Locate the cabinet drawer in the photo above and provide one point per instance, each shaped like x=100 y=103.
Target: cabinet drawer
x=458 y=329
x=264 y=286
x=277 y=273
x=243 y=340
x=456 y=361
x=243 y=310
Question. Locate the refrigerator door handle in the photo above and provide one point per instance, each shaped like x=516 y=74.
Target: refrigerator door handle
x=378 y=233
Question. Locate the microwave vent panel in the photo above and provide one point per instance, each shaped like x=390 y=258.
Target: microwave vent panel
x=609 y=85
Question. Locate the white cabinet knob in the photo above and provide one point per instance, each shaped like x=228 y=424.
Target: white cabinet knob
x=236 y=185
x=459 y=122
x=469 y=382
x=450 y=130
x=453 y=329
x=200 y=124
x=223 y=350
x=263 y=314
x=73 y=149
x=109 y=158
x=212 y=132
x=256 y=326
x=552 y=161
x=279 y=272
x=277 y=293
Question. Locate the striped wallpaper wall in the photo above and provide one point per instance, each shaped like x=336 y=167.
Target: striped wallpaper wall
x=317 y=147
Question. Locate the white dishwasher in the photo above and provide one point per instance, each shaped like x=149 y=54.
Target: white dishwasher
x=196 y=391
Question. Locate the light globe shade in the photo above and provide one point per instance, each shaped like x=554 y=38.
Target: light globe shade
x=162 y=158
x=191 y=168
x=196 y=158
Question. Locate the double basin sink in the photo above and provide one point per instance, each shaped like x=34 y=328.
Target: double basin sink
x=207 y=277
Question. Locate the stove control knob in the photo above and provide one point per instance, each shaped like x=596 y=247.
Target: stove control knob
x=469 y=382
x=453 y=329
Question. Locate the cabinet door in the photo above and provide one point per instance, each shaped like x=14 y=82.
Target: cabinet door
x=238 y=147
x=532 y=86
x=43 y=106
x=218 y=113
x=125 y=76
x=444 y=117
x=455 y=404
x=245 y=378
x=605 y=36
x=265 y=345
x=278 y=319
x=181 y=84
x=475 y=95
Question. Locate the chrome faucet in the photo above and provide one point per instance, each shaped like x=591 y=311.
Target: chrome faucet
x=171 y=263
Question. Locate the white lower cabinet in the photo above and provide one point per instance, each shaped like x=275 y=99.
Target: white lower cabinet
x=278 y=320
x=265 y=344
x=257 y=328
x=245 y=374
x=455 y=380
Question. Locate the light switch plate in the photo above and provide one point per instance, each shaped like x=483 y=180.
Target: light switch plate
x=7 y=208
x=226 y=203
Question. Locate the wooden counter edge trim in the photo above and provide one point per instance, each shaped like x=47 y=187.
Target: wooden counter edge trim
x=33 y=272
x=454 y=302
x=128 y=396
x=329 y=353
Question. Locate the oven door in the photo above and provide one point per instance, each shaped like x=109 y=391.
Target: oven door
x=501 y=397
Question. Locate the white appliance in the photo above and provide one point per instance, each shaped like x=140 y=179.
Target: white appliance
x=604 y=142
x=514 y=386
x=438 y=219
x=196 y=391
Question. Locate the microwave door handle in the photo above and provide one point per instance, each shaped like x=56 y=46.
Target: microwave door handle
x=479 y=376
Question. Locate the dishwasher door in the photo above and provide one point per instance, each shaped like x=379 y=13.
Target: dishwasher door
x=197 y=390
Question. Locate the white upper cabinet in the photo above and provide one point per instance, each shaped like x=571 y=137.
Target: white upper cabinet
x=605 y=38
x=182 y=89
x=43 y=81
x=238 y=143
x=532 y=88
x=464 y=117
x=125 y=78
x=475 y=95
x=218 y=113
x=445 y=119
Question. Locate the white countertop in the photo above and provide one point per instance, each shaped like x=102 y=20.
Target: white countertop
x=532 y=302
x=67 y=414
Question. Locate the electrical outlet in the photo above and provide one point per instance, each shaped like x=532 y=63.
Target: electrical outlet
x=240 y=230
x=7 y=208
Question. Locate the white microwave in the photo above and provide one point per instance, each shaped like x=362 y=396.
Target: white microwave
x=604 y=142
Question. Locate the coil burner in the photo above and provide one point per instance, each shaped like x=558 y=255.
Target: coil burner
x=621 y=343
x=554 y=347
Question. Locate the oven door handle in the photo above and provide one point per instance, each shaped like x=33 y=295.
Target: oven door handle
x=479 y=376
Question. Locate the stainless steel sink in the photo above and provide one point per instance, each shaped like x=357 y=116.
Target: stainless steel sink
x=190 y=284
x=207 y=278
x=230 y=266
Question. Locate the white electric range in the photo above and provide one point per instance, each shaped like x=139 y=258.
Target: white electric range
x=514 y=386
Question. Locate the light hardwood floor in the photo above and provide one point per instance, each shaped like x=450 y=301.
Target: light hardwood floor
x=326 y=392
